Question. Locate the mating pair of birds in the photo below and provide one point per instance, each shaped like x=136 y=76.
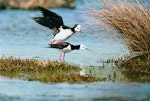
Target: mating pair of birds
x=60 y=31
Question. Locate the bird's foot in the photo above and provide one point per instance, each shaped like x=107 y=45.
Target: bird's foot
x=52 y=42
x=63 y=43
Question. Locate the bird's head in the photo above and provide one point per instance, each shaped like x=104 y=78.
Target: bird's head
x=77 y=28
x=83 y=47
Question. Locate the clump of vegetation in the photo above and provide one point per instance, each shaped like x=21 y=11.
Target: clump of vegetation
x=137 y=70
x=132 y=21
x=13 y=64
x=46 y=71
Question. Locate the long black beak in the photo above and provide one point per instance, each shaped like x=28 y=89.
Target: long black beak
x=89 y=49
x=81 y=31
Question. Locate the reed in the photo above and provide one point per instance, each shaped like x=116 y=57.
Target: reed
x=132 y=21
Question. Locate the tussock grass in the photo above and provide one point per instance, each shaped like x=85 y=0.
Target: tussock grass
x=132 y=21
x=45 y=71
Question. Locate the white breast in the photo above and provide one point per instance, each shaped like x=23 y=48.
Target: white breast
x=67 y=49
x=63 y=35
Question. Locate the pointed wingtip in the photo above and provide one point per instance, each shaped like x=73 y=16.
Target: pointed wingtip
x=36 y=18
x=40 y=7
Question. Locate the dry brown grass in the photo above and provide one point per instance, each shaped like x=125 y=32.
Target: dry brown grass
x=132 y=20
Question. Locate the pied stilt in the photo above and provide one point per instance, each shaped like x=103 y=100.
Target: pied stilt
x=66 y=47
x=55 y=22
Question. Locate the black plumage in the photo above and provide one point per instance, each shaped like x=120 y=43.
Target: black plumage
x=50 y=20
x=62 y=45
x=66 y=47
x=55 y=22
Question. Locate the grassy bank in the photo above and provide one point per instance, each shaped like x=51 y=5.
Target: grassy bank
x=45 y=71
x=132 y=22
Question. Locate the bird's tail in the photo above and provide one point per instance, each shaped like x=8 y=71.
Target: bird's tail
x=48 y=47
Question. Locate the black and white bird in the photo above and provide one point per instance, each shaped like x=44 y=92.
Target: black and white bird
x=65 y=47
x=55 y=22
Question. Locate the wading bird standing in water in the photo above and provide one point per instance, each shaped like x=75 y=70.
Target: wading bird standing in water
x=65 y=47
x=55 y=22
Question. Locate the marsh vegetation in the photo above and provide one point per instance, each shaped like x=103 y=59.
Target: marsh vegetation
x=132 y=22
x=45 y=71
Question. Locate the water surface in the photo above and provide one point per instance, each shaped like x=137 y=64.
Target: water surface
x=22 y=37
x=20 y=90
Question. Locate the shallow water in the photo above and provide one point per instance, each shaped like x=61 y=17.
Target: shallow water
x=22 y=37
x=20 y=90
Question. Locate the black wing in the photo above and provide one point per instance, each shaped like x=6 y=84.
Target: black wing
x=60 y=45
x=49 y=19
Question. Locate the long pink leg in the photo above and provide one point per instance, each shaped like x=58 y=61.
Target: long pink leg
x=63 y=58
x=60 y=57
